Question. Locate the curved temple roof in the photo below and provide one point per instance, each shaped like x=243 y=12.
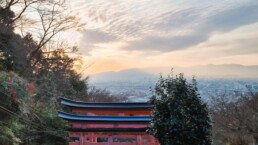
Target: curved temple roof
x=76 y=117
x=77 y=104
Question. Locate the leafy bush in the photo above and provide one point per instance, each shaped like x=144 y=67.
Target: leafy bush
x=179 y=115
x=14 y=96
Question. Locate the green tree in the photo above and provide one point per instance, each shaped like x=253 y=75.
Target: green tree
x=24 y=121
x=179 y=116
x=13 y=107
x=13 y=48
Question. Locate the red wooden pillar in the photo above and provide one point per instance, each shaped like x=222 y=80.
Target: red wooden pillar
x=110 y=140
x=139 y=140
x=152 y=139
x=82 y=140
x=93 y=138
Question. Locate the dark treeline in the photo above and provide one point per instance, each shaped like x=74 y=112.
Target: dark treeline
x=36 y=69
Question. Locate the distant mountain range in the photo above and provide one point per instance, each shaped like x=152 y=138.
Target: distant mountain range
x=127 y=75
x=213 y=71
x=225 y=71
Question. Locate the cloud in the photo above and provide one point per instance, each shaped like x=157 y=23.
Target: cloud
x=243 y=46
x=180 y=19
x=166 y=44
x=96 y=36
x=90 y=39
x=234 y=18
x=162 y=26
x=201 y=27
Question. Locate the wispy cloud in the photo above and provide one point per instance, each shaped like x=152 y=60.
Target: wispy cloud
x=200 y=27
x=96 y=36
x=166 y=26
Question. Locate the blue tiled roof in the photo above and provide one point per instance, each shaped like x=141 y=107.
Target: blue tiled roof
x=76 y=117
x=72 y=103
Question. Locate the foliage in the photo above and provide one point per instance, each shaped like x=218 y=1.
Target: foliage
x=235 y=119
x=45 y=128
x=12 y=46
x=13 y=92
x=99 y=95
x=8 y=133
x=55 y=76
x=179 y=115
x=14 y=95
x=23 y=122
x=49 y=19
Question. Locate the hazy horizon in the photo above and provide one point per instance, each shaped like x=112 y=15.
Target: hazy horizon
x=173 y=67
x=226 y=71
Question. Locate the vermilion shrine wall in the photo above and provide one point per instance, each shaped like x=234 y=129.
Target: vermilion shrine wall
x=120 y=126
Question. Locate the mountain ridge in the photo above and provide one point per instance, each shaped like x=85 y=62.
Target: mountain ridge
x=224 y=71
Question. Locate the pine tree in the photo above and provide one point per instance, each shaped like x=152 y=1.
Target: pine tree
x=179 y=116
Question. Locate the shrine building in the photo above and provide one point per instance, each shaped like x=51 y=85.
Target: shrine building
x=108 y=123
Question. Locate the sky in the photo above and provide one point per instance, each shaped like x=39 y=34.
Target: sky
x=122 y=34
